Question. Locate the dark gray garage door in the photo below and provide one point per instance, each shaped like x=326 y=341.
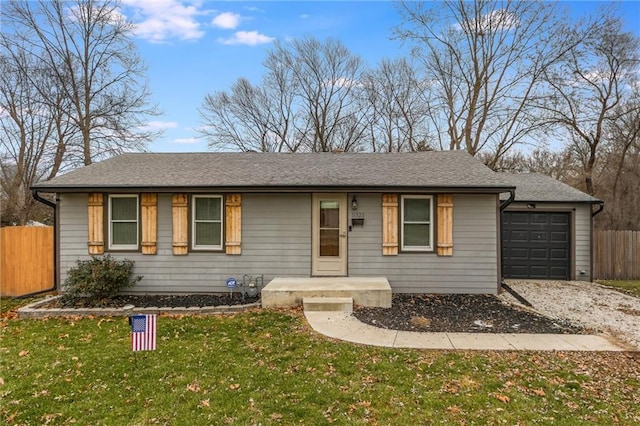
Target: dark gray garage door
x=536 y=245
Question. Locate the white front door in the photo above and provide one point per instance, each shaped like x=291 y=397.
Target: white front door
x=329 y=240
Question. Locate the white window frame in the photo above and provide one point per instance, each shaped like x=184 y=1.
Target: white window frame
x=135 y=246
x=430 y=223
x=193 y=223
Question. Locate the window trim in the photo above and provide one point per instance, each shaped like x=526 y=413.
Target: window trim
x=110 y=221
x=430 y=247
x=192 y=224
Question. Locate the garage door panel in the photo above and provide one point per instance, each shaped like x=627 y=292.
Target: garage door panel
x=558 y=271
x=539 y=236
x=519 y=253
x=538 y=254
x=559 y=237
x=539 y=219
x=560 y=219
x=559 y=254
x=519 y=236
x=538 y=271
x=536 y=245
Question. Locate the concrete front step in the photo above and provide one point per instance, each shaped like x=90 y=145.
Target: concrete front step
x=330 y=304
x=289 y=291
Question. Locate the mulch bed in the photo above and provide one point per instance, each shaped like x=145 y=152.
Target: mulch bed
x=160 y=301
x=460 y=313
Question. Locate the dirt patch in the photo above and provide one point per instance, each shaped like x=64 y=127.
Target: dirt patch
x=461 y=313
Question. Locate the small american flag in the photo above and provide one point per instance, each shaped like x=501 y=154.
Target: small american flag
x=143 y=333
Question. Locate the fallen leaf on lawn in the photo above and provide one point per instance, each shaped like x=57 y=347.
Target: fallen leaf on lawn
x=193 y=387
x=1 y=381
x=503 y=398
x=23 y=353
x=539 y=392
x=234 y=386
x=204 y=403
x=454 y=409
x=63 y=336
x=276 y=416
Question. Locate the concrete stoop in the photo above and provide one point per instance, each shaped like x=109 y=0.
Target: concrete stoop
x=327 y=304
x=290 y=291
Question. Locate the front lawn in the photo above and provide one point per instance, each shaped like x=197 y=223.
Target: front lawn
x=631 y=287
x=268 y=367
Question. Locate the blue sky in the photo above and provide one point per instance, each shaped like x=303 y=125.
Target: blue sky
x=192 y=48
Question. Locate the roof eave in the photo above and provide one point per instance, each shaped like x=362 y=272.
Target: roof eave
x=268 y=188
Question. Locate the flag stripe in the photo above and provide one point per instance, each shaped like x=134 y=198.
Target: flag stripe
x=143 y=333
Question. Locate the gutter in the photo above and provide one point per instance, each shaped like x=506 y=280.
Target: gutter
x=37 y=197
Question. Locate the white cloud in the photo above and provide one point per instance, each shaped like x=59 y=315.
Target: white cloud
x=187 y=141
x=159 y=125
x=161 y=20
x=251 y=38
x=226 y=20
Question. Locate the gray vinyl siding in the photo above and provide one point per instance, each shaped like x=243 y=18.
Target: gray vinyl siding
x=472 y=268
x=580 y=233
x=276 y=241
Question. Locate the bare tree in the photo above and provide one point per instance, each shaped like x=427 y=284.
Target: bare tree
x=85 y=46
x=484 y=62
x=394 y=96
x=305 y=102
x=253 y=118
x=590 y=87
x=33 y=133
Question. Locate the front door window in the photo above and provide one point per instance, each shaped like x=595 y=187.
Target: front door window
x=329 y=228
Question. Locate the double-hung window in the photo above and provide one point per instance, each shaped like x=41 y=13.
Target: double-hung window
x=206 y=226
x=123 y=222
x=417 y=223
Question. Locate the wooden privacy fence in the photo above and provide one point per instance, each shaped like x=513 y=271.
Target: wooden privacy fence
x=26 y=259
x=616 y=255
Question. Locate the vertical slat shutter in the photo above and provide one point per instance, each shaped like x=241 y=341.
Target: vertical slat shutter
x=233 y=223
x=444 y=244
x=180 y=221
x=149 y=223
x=96 y=223
x=389 y=224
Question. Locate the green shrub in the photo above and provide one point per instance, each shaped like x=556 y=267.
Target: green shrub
x=98 y=279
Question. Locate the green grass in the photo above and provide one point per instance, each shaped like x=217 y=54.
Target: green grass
x=268 y=367
x=631 y=287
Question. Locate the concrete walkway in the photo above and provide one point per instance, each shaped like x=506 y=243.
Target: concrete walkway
x=344 y=326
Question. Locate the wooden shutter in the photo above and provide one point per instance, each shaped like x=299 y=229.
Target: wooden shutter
x=149 y=219
x=233 y=223
x=96 y=223
x=445 y=225
x=389 y=224
x=180 y=220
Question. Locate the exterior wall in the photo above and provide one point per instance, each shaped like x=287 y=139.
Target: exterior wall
x=473 y=268
x=276 y=241
x=581 y=231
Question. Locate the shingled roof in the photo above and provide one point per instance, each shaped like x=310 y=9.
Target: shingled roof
x=536 y=187
x=269 y=171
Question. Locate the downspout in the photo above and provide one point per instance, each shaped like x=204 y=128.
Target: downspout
x=600 y=208
x=593 y=214
x=503 y=205
x=37 y=197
